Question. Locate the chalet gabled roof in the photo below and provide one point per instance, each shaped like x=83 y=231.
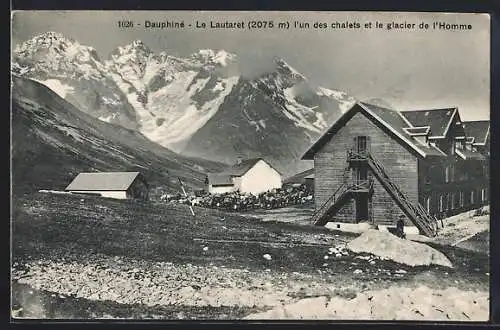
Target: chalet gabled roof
x=103 y=181
x=300 y=176
x=217 y=179
x=241 y=168
x=417 y=131
x=439 y=120
x=479 y=130
x=467 y=154
x=390 y=120
x=236 y=170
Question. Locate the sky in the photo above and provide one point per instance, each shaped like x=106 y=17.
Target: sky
x=409 y=68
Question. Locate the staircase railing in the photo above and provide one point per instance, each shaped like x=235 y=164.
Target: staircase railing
x=337 y=194
x=425 y=222
x=320 y=212
x=357 y=155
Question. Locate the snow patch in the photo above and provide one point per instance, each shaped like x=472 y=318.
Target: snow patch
x=331 y=93
x=57 y=86
x=108 y=119
x=387 y=245
x=222 y=57
x=183 y=117
x=394 y=303
x=218 y=87
x=345 y=102
x=70 y=131
x=320 y=121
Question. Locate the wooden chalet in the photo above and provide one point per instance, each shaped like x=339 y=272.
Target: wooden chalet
x=119 y=185
x=380 y=165
x=246 y=176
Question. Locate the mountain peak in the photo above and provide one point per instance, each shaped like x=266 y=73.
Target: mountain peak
x=46 y=40
x=210 y=56
x=139 y=45
x=51 y=35
x=284 y=67
x=133 y=49
x=52 y=51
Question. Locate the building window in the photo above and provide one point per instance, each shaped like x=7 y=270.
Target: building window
x=428 y=204
x=428 y=174
x=441 y=203
x=483 y=195
x=361 y=144
x=472 y=197
x=450 y=202
x=461 y=199
x=447 y=174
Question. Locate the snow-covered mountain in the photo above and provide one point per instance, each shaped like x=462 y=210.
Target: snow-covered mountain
x=173 y=97
x=52 y=141
x=277 y=115
x=75 y=72
x=198 y=105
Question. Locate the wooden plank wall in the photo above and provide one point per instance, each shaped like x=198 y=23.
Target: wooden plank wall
x=330 y=163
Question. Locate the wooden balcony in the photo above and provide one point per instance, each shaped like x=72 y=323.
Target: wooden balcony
x=360 y=186
x=357 y=156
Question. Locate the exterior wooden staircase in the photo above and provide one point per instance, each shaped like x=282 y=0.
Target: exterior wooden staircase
x=426 y=223
x=338 y=199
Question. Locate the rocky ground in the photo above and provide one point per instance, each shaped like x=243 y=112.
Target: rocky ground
x=395 y=303
x=97 y=258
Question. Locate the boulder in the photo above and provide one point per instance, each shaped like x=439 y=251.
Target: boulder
x=387 y=245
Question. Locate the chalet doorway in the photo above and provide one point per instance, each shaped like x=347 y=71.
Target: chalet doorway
x=360 y=175
x=362 y=208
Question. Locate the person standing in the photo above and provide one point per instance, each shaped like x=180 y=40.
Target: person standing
x=400 y=227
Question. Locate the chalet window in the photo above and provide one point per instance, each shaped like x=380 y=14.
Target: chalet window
x=447 y=174
x=361 y=144
x=461 y=172
x=483 y=195
x=472 y=197
x=450 y=202
x=441 y=203
x=428 y=204
x=428 y=174
x=461 y=199
x=452 y=172
x=485 y=170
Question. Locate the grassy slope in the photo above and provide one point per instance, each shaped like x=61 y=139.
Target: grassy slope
x=51 y=227
x=52 y=141
x=47 y=226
